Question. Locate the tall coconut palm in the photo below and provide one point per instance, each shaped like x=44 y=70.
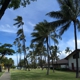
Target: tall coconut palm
x=15 y=43
x=69 y=12
x=20 y=33
x=41 y=36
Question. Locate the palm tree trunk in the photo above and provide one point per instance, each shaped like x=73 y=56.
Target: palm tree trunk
x=75 y=36
x=25 y=58
x=41 y=62
x=48 y=56
x=52 y=64
x=20 y=60
x=17 y=60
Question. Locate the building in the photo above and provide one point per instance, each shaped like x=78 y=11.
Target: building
x=72 y=59
x=68 y=62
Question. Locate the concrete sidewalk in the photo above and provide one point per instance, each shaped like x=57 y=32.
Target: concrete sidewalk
x=5 y=76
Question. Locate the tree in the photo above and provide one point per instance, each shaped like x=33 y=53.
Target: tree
x=69 y=12
x=16 y=44
x=21 y=63
x=4 y=4
x=19 y=50
x=67 y=50
x=40 y=52
x=5 y=50
x=33 y=54
x=53 y=54
x=41 y=35
x=21 y=36
x=8 y=63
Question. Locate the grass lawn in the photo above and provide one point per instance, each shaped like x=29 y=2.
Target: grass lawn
x=41 y=75
x=1 y=73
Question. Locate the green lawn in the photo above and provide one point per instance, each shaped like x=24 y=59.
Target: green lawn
x=41 y=75
x=1 y=73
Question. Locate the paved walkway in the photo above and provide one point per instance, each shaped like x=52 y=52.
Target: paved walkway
x=5 y=76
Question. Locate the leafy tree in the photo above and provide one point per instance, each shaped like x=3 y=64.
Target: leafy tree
x=5 y=50
x=68 y=13
x=9 y=63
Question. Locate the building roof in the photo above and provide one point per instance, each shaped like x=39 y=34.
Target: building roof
x=74 y=52
x=62 y=62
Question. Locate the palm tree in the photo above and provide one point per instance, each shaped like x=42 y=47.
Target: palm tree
x=20 y=33
x=67 y=50
x=69 y=12
x=33 y=54
x=19 y=50
x=53 y=53
x=41 y=36
x=15 y=43
x=40 y=52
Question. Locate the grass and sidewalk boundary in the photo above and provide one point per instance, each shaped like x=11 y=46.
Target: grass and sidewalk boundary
x=5 y=76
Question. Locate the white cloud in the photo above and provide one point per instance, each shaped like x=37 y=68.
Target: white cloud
x=27 y=29
x=7 y=28
x=31 y=24
x=63 y=54
x=70 y=44
x=13 y=29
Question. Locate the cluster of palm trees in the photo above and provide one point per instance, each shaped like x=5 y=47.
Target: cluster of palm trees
x=68 y=13
x=44 y=31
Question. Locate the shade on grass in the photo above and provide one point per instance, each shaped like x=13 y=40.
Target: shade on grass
x=41 y=75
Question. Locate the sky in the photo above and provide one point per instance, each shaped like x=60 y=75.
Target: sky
x=33 y=14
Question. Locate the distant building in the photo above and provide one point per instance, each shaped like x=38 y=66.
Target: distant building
x=68 y=62
x=72 y=59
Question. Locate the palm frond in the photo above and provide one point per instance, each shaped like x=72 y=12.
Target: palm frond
x=19 y=32
x=58 y=23
x=55 y=14
x=64 y=28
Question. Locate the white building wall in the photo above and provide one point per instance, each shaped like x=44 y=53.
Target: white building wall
x=71 y=60
x=64 y=66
